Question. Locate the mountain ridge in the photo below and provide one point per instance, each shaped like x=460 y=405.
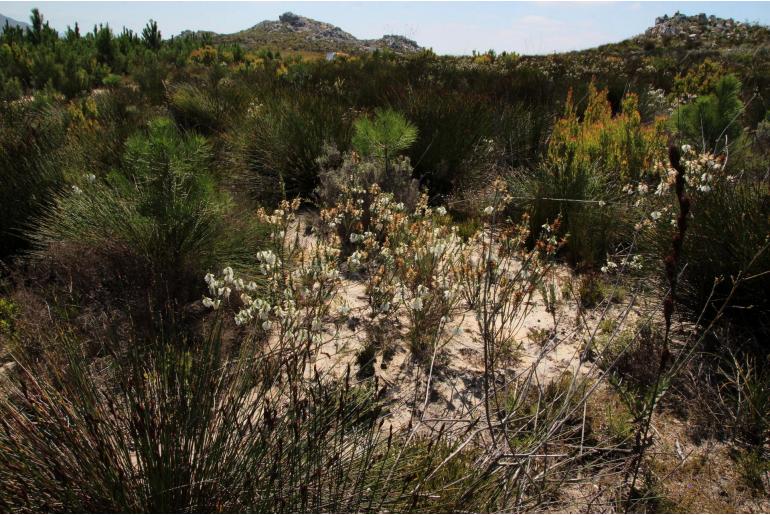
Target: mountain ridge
x=300 y=33
x=11 y=22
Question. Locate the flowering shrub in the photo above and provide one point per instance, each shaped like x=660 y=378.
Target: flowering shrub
x=580 y=179
x=408 y=261
x=620 y=146
x=299 y=285
x=412 y=264
x=346 y=181
x=499 y=277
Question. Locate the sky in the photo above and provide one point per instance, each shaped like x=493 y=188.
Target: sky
x=446 y=27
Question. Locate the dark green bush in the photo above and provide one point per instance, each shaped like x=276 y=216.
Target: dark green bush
x=176 y=426
x=453 y=127
x=712 y=120
x=573 y=195
x=274 y=152
x=212 y=106
x=730 y=225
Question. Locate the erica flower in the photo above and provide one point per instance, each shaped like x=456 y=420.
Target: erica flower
x=210 y=303
x=416 y=304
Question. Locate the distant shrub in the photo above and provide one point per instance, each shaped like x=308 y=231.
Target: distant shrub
x=149 y=74
x=702 y=80
x=619 y=146
x=99 y=128
x=193 y=108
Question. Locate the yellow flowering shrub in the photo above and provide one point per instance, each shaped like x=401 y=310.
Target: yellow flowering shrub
x=206 y=55
x=619 y=145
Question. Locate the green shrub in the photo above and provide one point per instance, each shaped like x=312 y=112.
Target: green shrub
x=192 y=108
x=274 y=152
x=712 y=121
x=163 y=209
x=383 y=136
x=730 y=225
x=587 y=162
x=176 y=426
x=453 y=127
x=377 y=143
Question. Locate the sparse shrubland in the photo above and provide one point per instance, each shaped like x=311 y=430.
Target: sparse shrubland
x=243 y=279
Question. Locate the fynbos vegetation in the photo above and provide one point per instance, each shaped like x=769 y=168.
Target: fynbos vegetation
x=238 y=276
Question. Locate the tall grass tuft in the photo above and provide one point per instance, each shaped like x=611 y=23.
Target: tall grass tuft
x=31 y=138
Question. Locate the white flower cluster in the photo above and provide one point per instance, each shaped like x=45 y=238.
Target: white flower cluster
x=634 y=262
x=220 y=289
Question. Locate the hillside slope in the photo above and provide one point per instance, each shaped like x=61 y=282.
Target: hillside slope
x=11 y=22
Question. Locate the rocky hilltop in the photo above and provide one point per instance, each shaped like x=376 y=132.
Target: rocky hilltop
x=699 y=29
x=295 y=32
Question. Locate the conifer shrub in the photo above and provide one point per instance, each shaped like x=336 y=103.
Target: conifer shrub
x=712 y=121
x=161 y=211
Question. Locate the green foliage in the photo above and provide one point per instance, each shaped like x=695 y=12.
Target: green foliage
x=151 y=36
x=162 y=208
x=171 y=426
x=9 y=310
x=274 y=151
x=712 y=121
x=701 y=80
x=580 y=178
x=384 y=136
x=77 y=62
x=453 y=129
x=348 y=177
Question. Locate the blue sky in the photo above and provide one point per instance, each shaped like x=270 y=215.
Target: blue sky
x=447 y=27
